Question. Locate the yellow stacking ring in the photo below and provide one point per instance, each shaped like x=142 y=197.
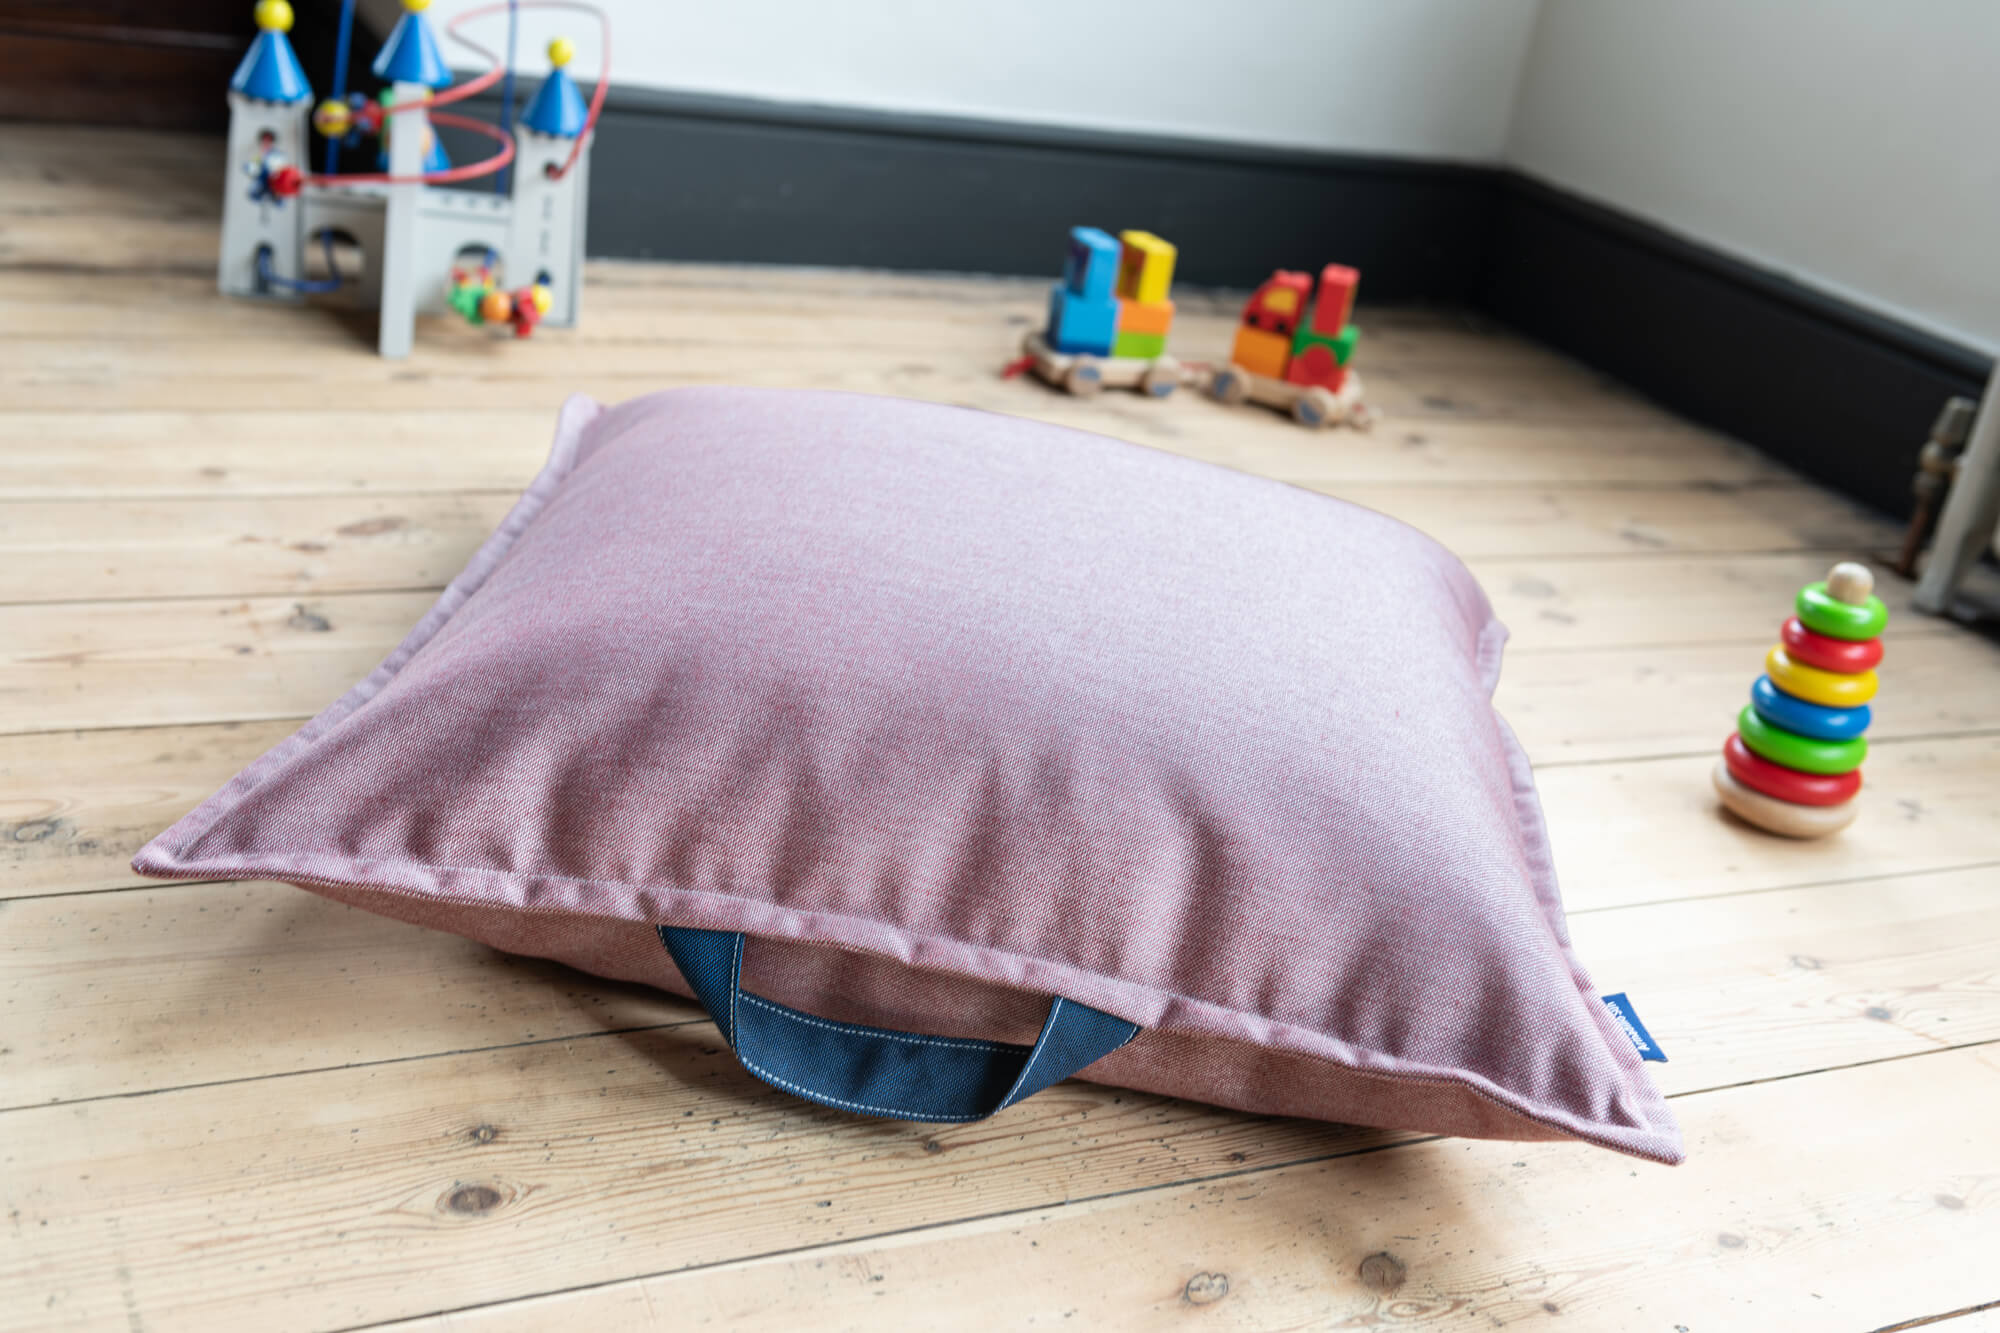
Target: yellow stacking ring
x=1828 y=688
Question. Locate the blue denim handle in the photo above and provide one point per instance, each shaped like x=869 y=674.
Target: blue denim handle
x=879 y=1071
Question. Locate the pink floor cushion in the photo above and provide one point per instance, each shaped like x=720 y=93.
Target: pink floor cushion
x=942 y=755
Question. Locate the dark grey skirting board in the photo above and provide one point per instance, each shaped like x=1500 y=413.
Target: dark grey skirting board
x=1842 y=394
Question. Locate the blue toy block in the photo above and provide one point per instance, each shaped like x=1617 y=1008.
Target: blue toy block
x=1078 y=326
x=1091 y=271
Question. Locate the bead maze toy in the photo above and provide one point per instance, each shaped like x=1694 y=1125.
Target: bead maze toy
x=1297 y=363
x=1103 y=332
x=1793 y=764
x=413 y=235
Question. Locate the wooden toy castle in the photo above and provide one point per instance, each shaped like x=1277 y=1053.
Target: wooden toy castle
x=423 y=248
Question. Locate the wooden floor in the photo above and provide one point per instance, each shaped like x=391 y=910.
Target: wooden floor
x=240 y=1106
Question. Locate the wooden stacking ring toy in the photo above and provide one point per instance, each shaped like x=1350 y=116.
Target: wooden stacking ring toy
x=1800 y=752
x=1787 y=784
x=1830 y=689
x=1780 y=817
x=1823 y=613
x=1847 y=656
x=1826 y=724
x=1793 y=765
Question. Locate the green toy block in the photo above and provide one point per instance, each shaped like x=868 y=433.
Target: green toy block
x=1341 y=344
x=1145 y=346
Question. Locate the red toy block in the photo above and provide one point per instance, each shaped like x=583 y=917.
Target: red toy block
x=1279 y=305
x=1315 y=364
x=1336 y=299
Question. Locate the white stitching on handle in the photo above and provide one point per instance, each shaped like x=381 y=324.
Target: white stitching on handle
x=736 y=993
x=794 y=1015
x=1048 y=1031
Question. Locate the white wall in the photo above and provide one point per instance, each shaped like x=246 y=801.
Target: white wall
x=1422 y=78
x=1849 y=143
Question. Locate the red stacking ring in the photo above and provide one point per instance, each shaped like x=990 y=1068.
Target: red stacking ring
x=1848 y=656
x=1786 y=784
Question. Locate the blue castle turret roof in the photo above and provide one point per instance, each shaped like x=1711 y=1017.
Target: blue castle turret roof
x=411 y=54
x=558 y=107
x=270 y=71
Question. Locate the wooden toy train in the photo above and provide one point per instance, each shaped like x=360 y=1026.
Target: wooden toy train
x=1293 y=360
x=1102 y=332
x=1110 y=315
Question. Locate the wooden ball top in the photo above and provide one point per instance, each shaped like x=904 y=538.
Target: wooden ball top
x=1850 y=582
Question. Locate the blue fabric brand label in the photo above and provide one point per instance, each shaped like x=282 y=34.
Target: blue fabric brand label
x=1628 y=1018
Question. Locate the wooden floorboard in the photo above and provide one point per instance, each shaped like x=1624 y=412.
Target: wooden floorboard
x=70 y=455
x=1823 y=1230
x=241 y=1106
x=99 y=549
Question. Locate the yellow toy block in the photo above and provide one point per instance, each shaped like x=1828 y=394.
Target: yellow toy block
x=1261 y=352
x=1145 y=267
x=1145 y=317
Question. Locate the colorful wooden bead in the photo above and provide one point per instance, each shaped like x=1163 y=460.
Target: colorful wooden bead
x=1847 y=656
x=1787 y=784
x=333 y=118
x=1781 y=817
x=1833 y=689
x=1823 y=612
x=1826 y=724
x=1796 y=751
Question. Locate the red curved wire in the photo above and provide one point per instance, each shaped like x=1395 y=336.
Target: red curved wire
x=596 y=105
x=497 y=68
x=603 y=64
x=483 y=167
x=461 y=91
x=603 y=75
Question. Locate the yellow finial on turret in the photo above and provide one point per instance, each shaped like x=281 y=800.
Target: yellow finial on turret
x=273 y=16
x=561 y=50
x=416 y=6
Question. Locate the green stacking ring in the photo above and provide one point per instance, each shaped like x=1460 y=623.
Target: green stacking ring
x=1820 y=610
x=1803 y=753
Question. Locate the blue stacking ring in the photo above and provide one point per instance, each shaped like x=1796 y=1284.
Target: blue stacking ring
x=1815 y=720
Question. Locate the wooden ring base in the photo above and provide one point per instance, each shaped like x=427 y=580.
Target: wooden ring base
x=1780 y=817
